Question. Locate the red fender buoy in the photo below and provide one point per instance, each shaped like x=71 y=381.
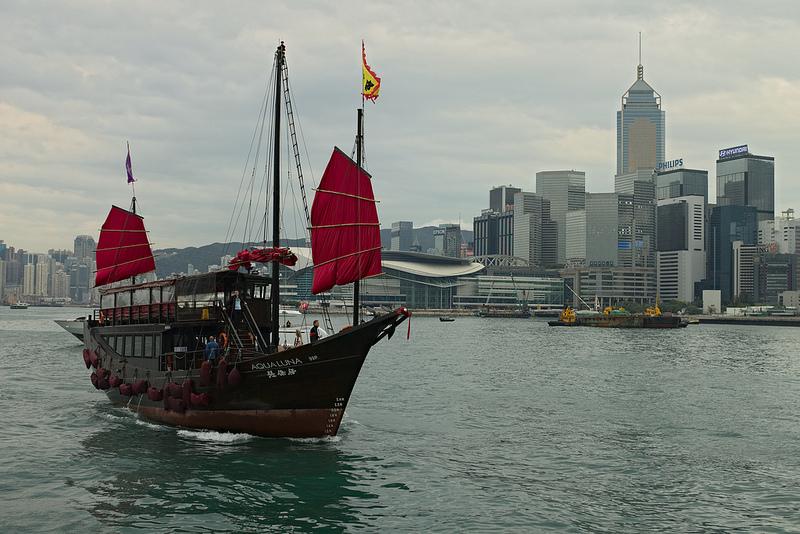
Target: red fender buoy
x=205 y=373
x=140 y=387
x=200 y=399
x=234 y=378
x=93 y=359
x=114 y=381
x=103 y=384
x=94 y=380
x=154 y=394
x=126 y=390
x=222 y=374
x=86 y=359
x=175 y=390
x=188 y=389
x=101 y=373
x=166 y=398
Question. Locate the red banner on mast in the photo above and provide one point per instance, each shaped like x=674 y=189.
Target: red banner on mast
x=123 y=249
x=345 y=231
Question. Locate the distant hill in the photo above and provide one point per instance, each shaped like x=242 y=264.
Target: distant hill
x=176 y=260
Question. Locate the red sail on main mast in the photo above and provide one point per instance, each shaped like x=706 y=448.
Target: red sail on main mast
x=345 y=232
x=123 y=249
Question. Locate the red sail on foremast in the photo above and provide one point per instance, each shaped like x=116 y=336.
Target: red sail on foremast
x=123 y=249
x=345 y=232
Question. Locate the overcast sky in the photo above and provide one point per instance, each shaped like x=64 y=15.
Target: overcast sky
x=474 y=94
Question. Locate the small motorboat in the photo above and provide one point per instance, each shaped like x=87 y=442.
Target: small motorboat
x=446 y=319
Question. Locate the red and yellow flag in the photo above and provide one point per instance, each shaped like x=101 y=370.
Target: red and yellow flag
x=370 y=83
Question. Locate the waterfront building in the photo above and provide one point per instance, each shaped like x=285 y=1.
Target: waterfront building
x=782 y=231
x=42 y=273
x=447 y=240
x=29 y=279
x=535 y=233
x=402 y=235
x=681 y=257
x=608 y=286
x=3 y=268
x=744 y=258
x=511 y=292
x=593 y=232
x=61 y=285
x=773 y=274
x=726 y=225
x=745 y=179
x=84 y=246
x=637 y=242
x=566 y=191
x=501 y=198
x=486 y=233
x=681 y=182
x=640 y=127
x=789 y=299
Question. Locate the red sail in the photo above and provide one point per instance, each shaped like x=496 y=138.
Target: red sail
x=345 y=232
x=123 y=249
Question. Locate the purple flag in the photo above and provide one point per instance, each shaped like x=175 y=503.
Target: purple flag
x=128 y=167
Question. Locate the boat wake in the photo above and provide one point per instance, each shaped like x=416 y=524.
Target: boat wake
x=215 y=437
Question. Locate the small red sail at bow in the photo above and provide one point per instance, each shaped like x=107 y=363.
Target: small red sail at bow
x=123 y=249
x=345 y=232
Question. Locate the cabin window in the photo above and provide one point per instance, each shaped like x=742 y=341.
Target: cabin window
x=123 y=299
x=148 y=346
x=141 y=296
x=168 y=294
x=119 y=346
x=138 y=346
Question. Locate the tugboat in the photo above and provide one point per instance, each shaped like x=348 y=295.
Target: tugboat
x=146 y=342
x=614 y=317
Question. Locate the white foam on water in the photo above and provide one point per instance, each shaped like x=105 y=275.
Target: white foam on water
x=214 y=436
x=324 y=439
x=150 y=425
x=112 y=417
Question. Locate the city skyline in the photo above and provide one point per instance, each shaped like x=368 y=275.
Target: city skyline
x=188 y=102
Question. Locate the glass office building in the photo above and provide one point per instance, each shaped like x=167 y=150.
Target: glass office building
x=728 y=224
x=681 y=183
x=747 y=180
x=640 y=128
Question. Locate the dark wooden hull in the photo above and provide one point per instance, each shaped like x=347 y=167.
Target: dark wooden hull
x=298 y=392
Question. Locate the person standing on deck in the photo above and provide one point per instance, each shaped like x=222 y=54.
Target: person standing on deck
x=212 y=350
x=317 y=332
x=235 y=308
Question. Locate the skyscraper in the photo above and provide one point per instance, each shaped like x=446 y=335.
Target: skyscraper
x=402 y=235
x=535 y=233
x=727 y=224
x=637 y=241
x=681 y=182
x=566 y=191
x=640 y=126
x=501 y=198
x=744 y=179
x=681 y=247
x=84 y=246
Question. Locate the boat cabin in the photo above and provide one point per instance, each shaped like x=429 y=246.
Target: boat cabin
x=172 y=319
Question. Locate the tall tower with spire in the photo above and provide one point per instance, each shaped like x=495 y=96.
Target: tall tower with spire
x=640 y=125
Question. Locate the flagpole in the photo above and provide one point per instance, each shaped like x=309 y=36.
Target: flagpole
x=133 y=183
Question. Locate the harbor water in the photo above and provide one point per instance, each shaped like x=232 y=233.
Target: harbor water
x=475 y=425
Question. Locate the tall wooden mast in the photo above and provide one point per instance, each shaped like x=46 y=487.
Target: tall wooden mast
x=276 y=195
x=359 y=145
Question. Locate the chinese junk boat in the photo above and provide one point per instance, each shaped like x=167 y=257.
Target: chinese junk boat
x=145 y=343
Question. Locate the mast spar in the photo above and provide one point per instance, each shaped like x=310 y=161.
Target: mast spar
x=359 y=156
x=276 y=195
